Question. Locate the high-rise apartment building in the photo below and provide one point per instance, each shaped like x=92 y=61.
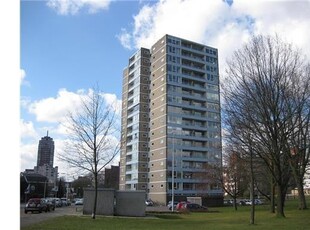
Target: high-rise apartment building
x=135 y=122
x=46 y=151
x=171 y=123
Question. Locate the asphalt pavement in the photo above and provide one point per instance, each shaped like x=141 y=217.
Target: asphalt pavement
x=31 y=218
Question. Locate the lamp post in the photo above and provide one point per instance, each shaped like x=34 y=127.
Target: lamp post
x=172 y=180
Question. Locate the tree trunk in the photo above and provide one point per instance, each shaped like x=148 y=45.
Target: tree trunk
x=272 y=199
x=235 y=195
x=252 y=189
x=280 y=201
x=235 y=203
x=95 y=198
x=301 y=197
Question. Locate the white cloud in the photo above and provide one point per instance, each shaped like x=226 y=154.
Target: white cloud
x=27 y=129
x=54 y=109
x=49 y=113
x=112 y=101
x=289 y=19
x=73 y=7
x=29 y=154
x=124 y=37
x=218 y=24
x=23 y=77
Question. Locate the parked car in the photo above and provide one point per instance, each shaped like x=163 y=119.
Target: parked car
x=242 y=202
x=181 y=205
x=192 y=207
x=258 y=202
x=149 y=202
x=58 y=202
x=36 y=205
x=229 y=202
x=51 y=204
x=79 y=201
x=170 y=205
x=64 y=201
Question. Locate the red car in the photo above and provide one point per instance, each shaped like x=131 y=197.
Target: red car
x=36 y=205
x=181 y=205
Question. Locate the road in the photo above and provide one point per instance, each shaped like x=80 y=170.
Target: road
x=31 y=218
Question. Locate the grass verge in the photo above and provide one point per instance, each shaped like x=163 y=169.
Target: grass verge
x=225 y=218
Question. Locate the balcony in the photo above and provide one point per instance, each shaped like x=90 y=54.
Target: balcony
x=193 y=74
x=192 y=55
x=192 y=46
x=192 y=64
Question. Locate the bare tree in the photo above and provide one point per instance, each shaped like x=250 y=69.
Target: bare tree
x=258 y=111
x=235 y=174
x=90 y=146
x=298 y=126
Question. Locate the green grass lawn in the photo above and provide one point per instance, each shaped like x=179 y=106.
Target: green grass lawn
x=225 y=218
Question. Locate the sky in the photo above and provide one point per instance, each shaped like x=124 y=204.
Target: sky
x=68 y=46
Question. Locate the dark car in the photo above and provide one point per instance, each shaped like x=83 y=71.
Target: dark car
x=242 y=202
x=51 y=204
x=36 y=205
x=192 y=207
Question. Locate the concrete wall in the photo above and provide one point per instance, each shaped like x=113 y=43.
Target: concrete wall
x=130 y=203
x=105 y=201
x=112 y=202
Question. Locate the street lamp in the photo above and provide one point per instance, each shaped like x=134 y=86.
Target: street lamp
x=172 y=180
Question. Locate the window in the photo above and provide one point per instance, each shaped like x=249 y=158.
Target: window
x=173 y=78
x=213 y=96
x=173 y=50
x=174 y=59
x=175 y=69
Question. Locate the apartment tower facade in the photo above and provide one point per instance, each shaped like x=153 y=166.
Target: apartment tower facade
x=183 y=137
x=135 y=122
x=46 y=151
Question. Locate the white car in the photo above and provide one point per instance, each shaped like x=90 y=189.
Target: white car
x=79 y=201
x=170 y=205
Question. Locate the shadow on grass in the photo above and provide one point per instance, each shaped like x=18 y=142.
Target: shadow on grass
x=169 y=217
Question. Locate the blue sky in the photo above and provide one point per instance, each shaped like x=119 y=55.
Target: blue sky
x=72 y=51
x=68 y=46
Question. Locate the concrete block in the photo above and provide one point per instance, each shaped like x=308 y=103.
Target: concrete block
x=130 y=203
x=105 y=201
